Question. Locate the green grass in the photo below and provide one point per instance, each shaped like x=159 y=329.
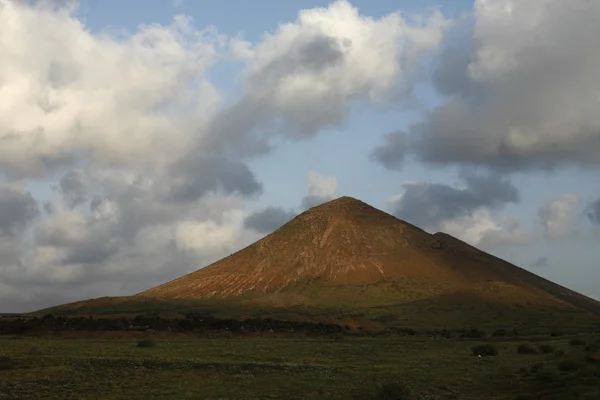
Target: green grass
x=275 y=367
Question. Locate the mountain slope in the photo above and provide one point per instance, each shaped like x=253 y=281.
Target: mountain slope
x=331 y=253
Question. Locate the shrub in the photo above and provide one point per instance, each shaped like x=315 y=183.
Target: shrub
x=577 y=342
x=383 y=388
x=559 y=353
x=546 y=349
x=146 y=343
x=568 y=366
x=394 y=391
x=500 y=333
x=6 y=363
x=593 y=347
x=484 y=350
x=544 y=375
x=537 y=367
x=526 y=349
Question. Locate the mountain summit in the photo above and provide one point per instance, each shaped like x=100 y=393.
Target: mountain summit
x=347 y=251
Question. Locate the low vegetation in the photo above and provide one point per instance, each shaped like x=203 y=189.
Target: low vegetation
x=147 y=343
x=526 y=349
x=485 y=350
x=6 y=363
x=270 y=365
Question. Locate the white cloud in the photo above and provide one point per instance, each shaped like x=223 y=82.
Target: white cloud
x=147 y=163
x=520 y=80
x=321 y=189
x=559 y=216
x=66 y=93
x=487 y=232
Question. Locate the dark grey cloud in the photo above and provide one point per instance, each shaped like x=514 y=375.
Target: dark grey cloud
x=308 y=55
x=246 y=127
x=268 y=219
x=90 y=253
x=17 y=210
x=593 y=212
x=540 y=262
x=427 y=204
x=196 y=176
x=392 y=153
x=73 y=188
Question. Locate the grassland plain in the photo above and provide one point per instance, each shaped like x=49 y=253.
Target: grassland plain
x=99 y=365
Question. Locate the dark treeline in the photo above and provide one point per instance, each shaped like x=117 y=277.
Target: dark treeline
x=208 y=323
x=191 y=322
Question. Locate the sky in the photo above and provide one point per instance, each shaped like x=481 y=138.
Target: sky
x=143 y=140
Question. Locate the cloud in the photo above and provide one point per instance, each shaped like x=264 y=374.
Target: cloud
x=303 y=77
x=194 y=177
x=469 y=212
x=18 y=209
x=520 y=90
x=392 y=153
x=486 y=231
x=559 y=216
x=73 y=188
x=93 y=91
x=540 y=262
x=148 y=164
x=428 y=204
x=268 y=219
x=593 y=212
x=321 y=189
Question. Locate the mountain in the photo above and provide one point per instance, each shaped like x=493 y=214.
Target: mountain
x=346 y=259
x=346 y=242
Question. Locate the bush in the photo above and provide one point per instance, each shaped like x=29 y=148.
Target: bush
x=394 y=391
x=568 y=366
x=546 y=349
x=6 y=363
x=593 y=347
x=559 y=353
x=384 y=388
x=484 y=350
x=546 y=376
x=537 y=367
x=146 y=343
x=526 y=349
x=577 y=342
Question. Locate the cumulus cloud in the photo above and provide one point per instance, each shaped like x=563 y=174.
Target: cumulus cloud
x=392 y=153
x=268 y=219
x=486 y=230
x=117 y=100
x=467 y=212
x=559 y=216
x=321 y=189
x=148 y=164
x=593 y=212
x=519 y=87
x=17 y=209
x=428 y=204
x=304 y=76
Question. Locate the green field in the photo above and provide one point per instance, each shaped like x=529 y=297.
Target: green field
x=270 y=366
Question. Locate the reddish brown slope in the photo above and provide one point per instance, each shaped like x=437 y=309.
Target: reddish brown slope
x=347 y=243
